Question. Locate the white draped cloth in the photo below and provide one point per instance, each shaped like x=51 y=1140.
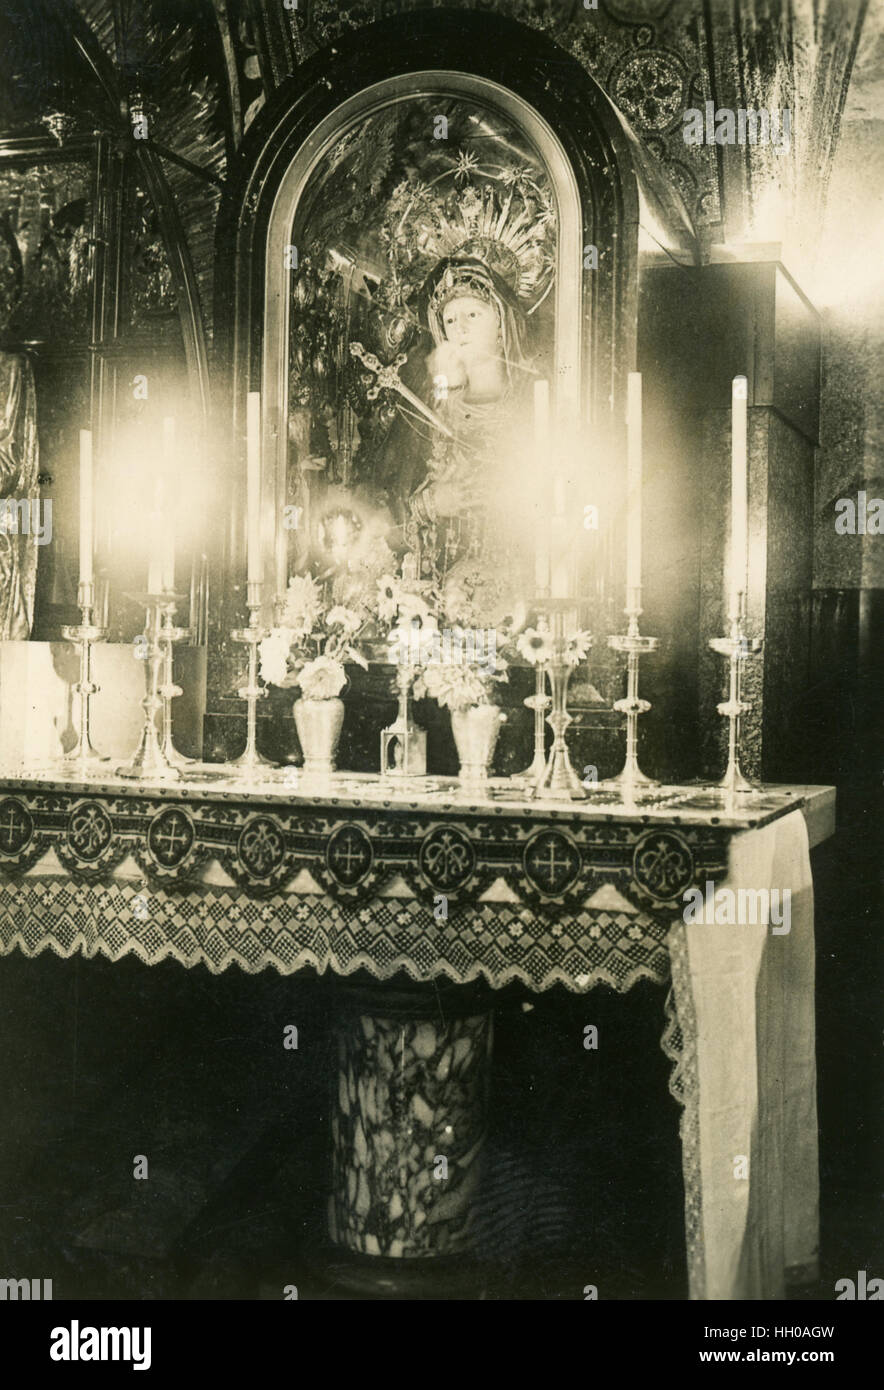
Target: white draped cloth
x=744 y=1005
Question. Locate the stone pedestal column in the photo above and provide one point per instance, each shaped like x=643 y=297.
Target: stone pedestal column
x=408 y=1128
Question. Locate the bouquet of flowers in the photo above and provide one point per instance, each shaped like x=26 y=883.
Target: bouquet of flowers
x=467 y=658
x=459 y=687
x=312 y=642
x=404 y=614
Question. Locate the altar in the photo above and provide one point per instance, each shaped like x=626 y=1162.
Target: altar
x=415 y=883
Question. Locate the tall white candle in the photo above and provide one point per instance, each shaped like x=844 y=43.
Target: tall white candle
x=634 y=481
x=253 y=487
x=87 y=503
x=156 y=539
x=561 y=561
x=739 y=493
x=168 y=517
x=541 y=448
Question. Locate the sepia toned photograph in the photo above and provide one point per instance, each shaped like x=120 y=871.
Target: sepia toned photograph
x=441 y=662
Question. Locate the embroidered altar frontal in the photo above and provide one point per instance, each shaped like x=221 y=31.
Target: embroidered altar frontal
x=505 y=891
x=498 y=888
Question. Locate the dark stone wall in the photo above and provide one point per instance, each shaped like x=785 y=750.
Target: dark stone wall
x=698 y=329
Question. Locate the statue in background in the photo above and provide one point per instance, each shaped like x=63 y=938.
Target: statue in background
x=19 y=467
x=460 y=455
x=478 y=370
x=422 y=315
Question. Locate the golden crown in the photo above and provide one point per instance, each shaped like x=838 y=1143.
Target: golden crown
x=502 y=217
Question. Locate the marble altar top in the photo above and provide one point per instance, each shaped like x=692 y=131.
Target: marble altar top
x=690 y=804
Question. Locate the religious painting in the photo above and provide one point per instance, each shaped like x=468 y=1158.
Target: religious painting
x=423 y=255
x=45 y=249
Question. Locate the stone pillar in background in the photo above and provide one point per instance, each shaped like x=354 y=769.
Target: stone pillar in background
x=700 y=328
x=760 y=325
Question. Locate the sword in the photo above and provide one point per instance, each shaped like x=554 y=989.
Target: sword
x=389 y=377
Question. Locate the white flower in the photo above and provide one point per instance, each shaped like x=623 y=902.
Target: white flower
x=457 y=602
x=389 y=593
x=579 y=644
x=274 y=652
x=535 y=646
x=303 y=602
x=458 y=687
x=343 y=618
x=414 y=609
x=322 y=679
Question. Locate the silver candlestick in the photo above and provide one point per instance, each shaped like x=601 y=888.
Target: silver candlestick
x=539 y=702
x=168 y=636
x=85 y=634
x=250 y=759
x=737 y=647
x=150 y=760
x=635 y=646
x=558 y=781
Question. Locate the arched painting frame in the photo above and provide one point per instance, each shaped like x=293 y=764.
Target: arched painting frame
x=569 y=401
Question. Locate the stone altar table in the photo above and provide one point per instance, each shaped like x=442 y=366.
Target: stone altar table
x=416 y=883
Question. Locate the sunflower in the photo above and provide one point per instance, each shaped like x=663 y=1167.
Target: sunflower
x=389 y=595
x=578 y=647
x=535 y=646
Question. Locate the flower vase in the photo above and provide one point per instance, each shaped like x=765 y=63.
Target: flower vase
x=475 y=731
x=319 y=724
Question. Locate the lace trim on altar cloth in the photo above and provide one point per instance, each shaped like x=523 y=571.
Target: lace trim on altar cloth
x=679 y=1044
x=219 y=927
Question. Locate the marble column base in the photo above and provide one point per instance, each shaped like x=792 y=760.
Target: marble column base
x=408 y=1129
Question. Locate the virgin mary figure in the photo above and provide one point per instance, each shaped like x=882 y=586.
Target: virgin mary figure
x=465 y=473
x=478 y=372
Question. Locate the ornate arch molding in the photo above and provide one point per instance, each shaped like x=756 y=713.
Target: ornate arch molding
x=600 y=158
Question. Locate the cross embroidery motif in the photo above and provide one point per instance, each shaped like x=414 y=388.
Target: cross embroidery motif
x=169 y=831
x=349 y=852
x=16 y=827
x=551 y=871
